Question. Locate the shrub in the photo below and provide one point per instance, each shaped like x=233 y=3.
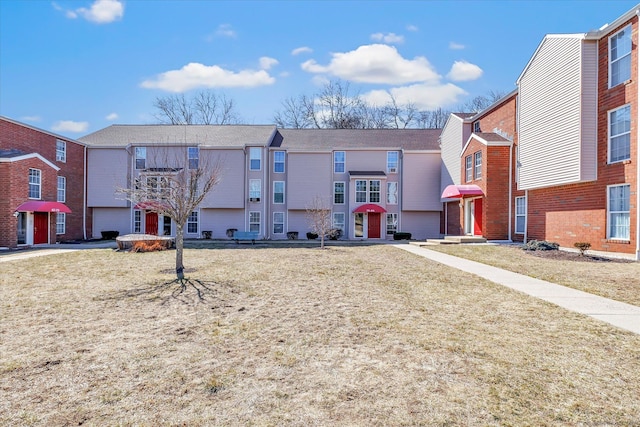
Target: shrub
x=148 y=246
x=109 y=234
x=230 y=232
x=334 y=234
x=540 y=245
x=292 y=235
x=311 y=236
x=583 y=246
x=400 y=235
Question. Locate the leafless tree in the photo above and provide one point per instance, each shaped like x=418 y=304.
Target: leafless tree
x=433 y=119
x=319 y=217
x=296 y=113
x=174 y=190
x=206 y=107
x=480 y=102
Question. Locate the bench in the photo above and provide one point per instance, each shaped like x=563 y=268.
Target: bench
x=245 y=235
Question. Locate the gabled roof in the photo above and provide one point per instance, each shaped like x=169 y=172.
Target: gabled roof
x=11 y=156
x=490 y=139
x=354 y=139
x=491 y=107
x=201 y=135
x=65 y=138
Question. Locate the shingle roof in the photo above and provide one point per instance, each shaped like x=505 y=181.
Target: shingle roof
x=214 y=135
x=11 y=152
x=491 y=137
x=332 y=139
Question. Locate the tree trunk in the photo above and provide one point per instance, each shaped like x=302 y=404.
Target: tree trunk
x=179 y=250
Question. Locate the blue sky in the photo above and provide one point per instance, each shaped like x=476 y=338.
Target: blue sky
x=74 y=67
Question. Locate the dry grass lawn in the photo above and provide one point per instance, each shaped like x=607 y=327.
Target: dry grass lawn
x=362 y=336
x=615 y=279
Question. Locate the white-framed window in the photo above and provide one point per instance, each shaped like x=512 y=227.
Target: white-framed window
x=358 y=224
x=35 y=183
x=620 y=134
x=141 y=157
x=61 y=150
x=255 y=190
x=361 y=190
x=62 y=189
x=137 y=221
x=392 y=193
x=61 y=221
x=619 y=224
x=392 y=162
x=620 y=57
x=521 y=214
x=477 y=165
x=278 y=161
x=468 y=167
x=278 y=222
x=158 y=187
x=255 y=158
x=374 y=191
x=193 y=223
x=338 y=193
x=278 y=192
x=339 y=158
x=194 y=157
x=476 y=127
x=338 y=221
x=254 y=222
x=392 y=223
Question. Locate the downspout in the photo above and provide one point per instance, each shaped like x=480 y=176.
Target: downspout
x=267 y=200
x=84 y=198
x=510 y=191
x=526 y=215
x=638 y=184
x=400 y=181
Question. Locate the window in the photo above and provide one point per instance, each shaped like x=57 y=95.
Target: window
x=278 y=162
x=278 y=222
x=618 y=207
x=476 y=127
x=392 y=162
x=620 y=57
x=141 y=157
x=392 y=223
x=338 y=221
x=278 y=192
x=468 y=162
x=62 y=189
x=374 y=191
x=194 y=157
x=34 y=183
x=358 y=230
x=158 y=187
x=255 y=187
x=254 y=221
x=338 y=193
x=620 y=134
x=392 y=193
x=166 y=225
x=361 y=191
x=61 y=151
x=61 y=219
x=338 y=161
x=192 y=223
x=521 y=214
x=477 y=165
x=137 y=221
x=255 y=158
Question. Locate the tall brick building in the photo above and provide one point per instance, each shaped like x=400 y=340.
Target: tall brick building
x=42 y=182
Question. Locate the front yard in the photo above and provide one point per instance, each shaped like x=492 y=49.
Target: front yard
x=368 y=335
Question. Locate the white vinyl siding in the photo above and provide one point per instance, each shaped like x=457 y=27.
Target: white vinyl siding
x=451 y=141
x=620 y=134
x=521 y=214
x=618 y=215
x=620 y=57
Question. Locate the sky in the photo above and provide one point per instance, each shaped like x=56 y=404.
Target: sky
x=77 y=66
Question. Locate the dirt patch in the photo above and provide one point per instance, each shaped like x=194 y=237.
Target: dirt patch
x=573 y=256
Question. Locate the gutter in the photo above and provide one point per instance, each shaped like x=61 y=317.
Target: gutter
x=638 y=183
x=84 y=197
x=510 y=209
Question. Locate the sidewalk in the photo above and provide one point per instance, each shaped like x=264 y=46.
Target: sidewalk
x=43 y=250
x=622 y=315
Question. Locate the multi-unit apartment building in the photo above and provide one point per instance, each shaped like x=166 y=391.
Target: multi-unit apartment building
x=42 y=178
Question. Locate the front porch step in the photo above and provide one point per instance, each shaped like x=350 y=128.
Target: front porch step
x=466 y=239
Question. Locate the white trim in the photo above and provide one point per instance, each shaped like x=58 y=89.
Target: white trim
x=609 y=61
x=273 y=223
x=26 y=157
x=608 y=222
x=259 y=150
x=524 y=215
x=186 y=231
x=609 y=112
x=344 y=192
x=485 y=142
x=284 y=186
x=39 y=184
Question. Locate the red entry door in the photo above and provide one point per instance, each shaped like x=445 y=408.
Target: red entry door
x=477 y=217
x=40 y=227
x=151 y=223
x=373 y=229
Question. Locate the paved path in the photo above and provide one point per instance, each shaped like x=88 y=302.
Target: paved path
x=44 y=250
x=622 y=315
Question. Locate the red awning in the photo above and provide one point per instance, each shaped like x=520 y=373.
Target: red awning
x=151 y=206
x=461 y=191
x=369 y=208
x=43 y=206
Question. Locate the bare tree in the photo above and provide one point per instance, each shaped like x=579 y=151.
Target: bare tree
x=296 y=113
x=319 y=217
x=206 y=108
x=174 y=190
x=480 y=102
x=434 y=119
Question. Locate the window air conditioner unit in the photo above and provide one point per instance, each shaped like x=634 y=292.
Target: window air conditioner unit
x=393 y=170
x=254 y=199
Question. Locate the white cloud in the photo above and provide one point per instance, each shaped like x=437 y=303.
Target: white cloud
x=225 y=30
x=412 y=28
x=31 y=118
x=423 y=96
x=100 y=11
x=376 y=63
x=389 y=38
x=195 y=75
x=302 y=49
x=456 y=46
x=111 y=117
x=70 y=126
x=266 y=62
x=462 y=71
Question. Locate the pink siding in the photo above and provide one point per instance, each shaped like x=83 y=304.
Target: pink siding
x=107 y=170
x=219 y=220
x=309 y=175
x=421 y=182
x=230 y=191
x=119 y=219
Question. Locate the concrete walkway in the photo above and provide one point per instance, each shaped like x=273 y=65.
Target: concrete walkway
x=43 y=250
x=622 y=315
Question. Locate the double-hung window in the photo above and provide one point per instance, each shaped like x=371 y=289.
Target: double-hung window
x=477 y=165
x=61 y=151
x=137 y=221
x=254 y=221
x=620 y=57
x=619 y=224
x=468 y=167
x=392 y=193
x=194 y=157
x=192 y=223
x=255 y=158
x=338 y=221
x=374 y=191
x=255 y=190
x=62 y=189
x=61 y=220
x=361 y=190
x=392 y=223
x=620 y=134
x=392 y=161
x=141 y=157
x=278 y=222
x=35 y=183
x=521 y=214
x=339 y=161
x=278 y=192
x=338 y=193
x=278 y=161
